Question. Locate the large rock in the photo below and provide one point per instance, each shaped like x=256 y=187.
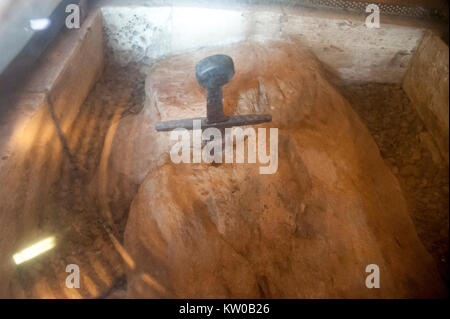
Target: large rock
x=307 y=231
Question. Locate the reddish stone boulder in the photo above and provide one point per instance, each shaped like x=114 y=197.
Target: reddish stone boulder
x=307 y=231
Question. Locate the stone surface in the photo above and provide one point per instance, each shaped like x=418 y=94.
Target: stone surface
x=147 y=31
x=23 y=188
x=49 y=190
x=426 y=83
x=36 y=156
x=310 y=230
x=65 y=74
x=409 y=150
x=70 y=68
x=15 y=114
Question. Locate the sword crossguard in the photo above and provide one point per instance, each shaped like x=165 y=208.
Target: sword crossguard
x=213 y=73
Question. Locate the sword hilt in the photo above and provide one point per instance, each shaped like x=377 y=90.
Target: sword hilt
x=213 y=73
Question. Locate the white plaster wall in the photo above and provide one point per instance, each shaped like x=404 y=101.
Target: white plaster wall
x=342 y=42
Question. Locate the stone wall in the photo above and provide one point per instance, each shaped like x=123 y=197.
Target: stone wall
x=426 y=84
x=151 y=30
x=33 y=123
